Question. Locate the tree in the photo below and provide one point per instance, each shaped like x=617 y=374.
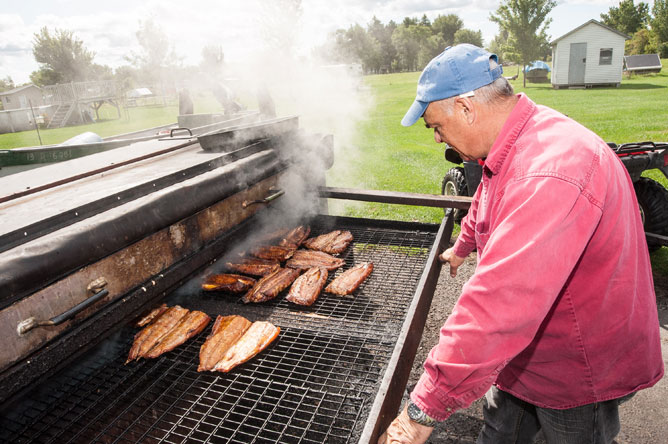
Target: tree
x=497 y=45
x=627 y=18
x=447 y=26
x=356 y=45
x=659 y=20
x=468 y=36
x=643 y=41
x=156 y=56
x=526 y=22
x=383 y=35
x=213 y=60
x=409 y=40
x=6 y=84
x=62 y=57
x=280 y=20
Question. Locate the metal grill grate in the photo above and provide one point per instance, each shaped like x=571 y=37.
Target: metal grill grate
x=314 y=384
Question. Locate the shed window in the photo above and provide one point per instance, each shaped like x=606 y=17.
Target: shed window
x=605 y=57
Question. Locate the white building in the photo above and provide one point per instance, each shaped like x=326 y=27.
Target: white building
x=590 y=55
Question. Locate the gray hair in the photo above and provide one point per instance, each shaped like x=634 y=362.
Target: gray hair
x=497 y=91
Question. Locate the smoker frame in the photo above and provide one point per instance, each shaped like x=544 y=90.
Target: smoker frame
x=100 y=324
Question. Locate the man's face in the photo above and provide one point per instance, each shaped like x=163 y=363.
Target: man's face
x=451 y=125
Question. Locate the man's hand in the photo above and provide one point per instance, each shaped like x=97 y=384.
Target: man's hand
x=454 y=260
x=404 y=431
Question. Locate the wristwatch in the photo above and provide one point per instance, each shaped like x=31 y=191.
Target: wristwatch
x=417 y=415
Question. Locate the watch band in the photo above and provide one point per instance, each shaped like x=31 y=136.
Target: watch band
x=416 y=414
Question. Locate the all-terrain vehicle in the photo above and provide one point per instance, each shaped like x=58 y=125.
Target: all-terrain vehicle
x=637 y=157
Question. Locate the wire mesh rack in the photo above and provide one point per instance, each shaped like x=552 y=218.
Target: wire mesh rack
x=314 y=384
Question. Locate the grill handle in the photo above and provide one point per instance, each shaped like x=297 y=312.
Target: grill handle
x=276 y=194
x=26 y=325
x=171 y=132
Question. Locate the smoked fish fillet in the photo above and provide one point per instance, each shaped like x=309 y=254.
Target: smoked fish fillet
x=349 y=280
x=254 y=266
x=274 y=252
x=151 y=334
x=307 y=287
x=256 y=339
x=334 y=242
x=271 y=285
x=225 y=333
x=296 y=236
x=153 y=315
x=190 y=325
x=305 y=259
x=232 y=283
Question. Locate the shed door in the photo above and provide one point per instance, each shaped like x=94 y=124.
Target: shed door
x=577 y=63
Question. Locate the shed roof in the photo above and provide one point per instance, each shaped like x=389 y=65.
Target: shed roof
x=15 y=90
x=596 y=22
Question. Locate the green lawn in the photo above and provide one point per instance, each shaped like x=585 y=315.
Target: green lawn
x=132 y=119
x=388 y=156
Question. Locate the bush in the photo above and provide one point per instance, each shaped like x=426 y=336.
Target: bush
x=663 y=50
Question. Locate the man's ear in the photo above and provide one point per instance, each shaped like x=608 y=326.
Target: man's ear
x=467 y=109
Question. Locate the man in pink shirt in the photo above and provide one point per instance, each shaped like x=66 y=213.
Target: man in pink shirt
x=558 y=324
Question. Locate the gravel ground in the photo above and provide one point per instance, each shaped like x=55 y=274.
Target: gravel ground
x=644 y=419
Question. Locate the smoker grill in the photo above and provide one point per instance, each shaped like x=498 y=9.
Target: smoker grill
x=333 y=375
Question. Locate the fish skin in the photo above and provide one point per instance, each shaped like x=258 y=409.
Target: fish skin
x=226 y=331
x=305 y=259
x=232 y=283
x=254 y=266
x=296 y=236
x=348 y=281
x=333 y=242
x=152 y=316
x=256 y=339
x=271 y=285
x=274 y=252
x=151 y=334
x=306 y=288
x=189 y=326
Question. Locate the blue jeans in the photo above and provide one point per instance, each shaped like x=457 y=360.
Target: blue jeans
x=511 y=420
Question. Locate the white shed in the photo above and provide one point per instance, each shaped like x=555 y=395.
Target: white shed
x=590 y=55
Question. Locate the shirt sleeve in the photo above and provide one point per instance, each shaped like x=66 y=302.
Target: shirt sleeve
x=541 y=228
x=465 y=242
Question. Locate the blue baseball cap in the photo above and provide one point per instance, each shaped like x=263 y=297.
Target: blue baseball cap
x=458 y=70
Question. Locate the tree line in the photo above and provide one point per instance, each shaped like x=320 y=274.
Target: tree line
x=392 y=47
x=648 y=31
x=378 y=47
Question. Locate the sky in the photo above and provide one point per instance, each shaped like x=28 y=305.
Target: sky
x=108 y=28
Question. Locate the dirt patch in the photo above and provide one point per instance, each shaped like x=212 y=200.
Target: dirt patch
x=643 y=418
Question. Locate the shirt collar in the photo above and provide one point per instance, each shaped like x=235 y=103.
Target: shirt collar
x=523 y=110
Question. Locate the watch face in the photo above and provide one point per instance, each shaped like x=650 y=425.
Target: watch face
x=414 y=412
x=417 y=415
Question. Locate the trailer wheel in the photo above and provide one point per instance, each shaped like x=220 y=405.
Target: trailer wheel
x=454 y=184
x=653 y=201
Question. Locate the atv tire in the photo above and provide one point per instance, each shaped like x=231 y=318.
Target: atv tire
x=653 y=201
x=454 y=184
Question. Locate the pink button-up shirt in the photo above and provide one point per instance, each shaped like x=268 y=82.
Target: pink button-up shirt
x=561 y=310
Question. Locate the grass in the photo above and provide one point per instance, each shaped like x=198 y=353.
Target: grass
x=132 y=119
x=387 y=156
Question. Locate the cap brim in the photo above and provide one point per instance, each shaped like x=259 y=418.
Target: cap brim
x=414 y=113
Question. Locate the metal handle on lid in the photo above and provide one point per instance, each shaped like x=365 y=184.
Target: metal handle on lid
x=96 y=286
x=276 y=194
x=171 y=133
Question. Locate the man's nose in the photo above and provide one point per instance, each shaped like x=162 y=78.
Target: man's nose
x=437 y=137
